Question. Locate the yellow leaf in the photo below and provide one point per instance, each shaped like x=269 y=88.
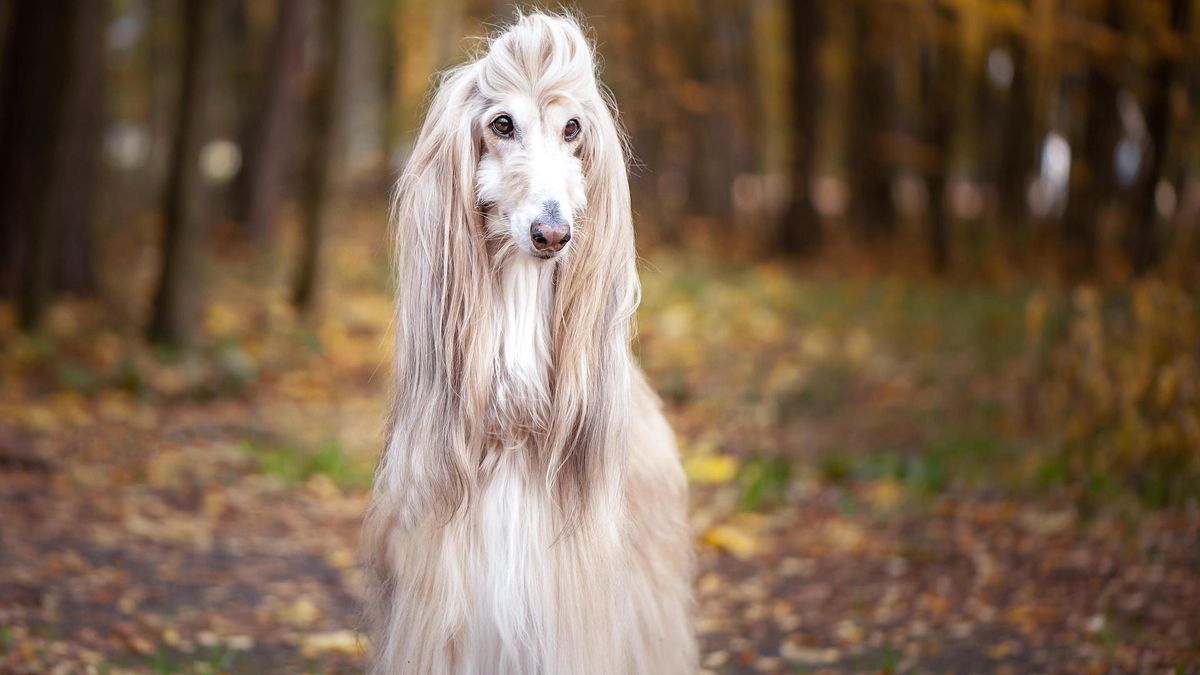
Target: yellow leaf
x=810 y=656
x=302 y=612
x=883 y=494
x=737 y=541
x=845 y=535
x=858 y=346
x=340 y=557
x=221 y=319
x=711 y=468
x=340 y=641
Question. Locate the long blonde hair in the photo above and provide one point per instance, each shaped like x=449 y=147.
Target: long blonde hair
x=445 y=368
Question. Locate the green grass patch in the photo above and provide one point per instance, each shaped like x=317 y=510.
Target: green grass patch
x=959 y=460
x=292 y=463
x=763 y=482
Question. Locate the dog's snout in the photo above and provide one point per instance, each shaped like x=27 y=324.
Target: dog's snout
x=550 y=231
x=551 y=236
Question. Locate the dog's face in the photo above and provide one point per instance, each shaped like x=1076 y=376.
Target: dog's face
x=530 y=176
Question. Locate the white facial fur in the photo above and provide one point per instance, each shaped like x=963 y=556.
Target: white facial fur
x=521 y=176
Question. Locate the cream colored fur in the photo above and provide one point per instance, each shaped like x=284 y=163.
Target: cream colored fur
x=529 y=510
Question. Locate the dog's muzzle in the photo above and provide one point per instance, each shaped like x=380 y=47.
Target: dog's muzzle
x=550 y=231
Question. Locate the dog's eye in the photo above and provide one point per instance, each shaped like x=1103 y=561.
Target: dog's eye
x=571 y=131
x=503 y=126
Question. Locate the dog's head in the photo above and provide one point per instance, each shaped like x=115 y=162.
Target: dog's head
x=519 y=149
x=537 y=103
x=527 y=130
x=536 y=113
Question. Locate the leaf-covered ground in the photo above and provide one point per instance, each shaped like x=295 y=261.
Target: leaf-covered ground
x=870 y=490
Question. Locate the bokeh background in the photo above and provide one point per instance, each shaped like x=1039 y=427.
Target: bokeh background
x=920 y=298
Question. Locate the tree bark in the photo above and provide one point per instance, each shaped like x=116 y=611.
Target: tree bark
x=871 y=205
x=938 y=103
x=37 y=82
x=1091 y=166
x=78 y=171
x=800 y=228
x=326 y=106
x=1017 y=154
x=1143 y=236
x=270 y=131
x=176 y=302
x=724 y=155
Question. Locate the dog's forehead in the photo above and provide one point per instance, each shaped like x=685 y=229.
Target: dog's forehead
x=528 y=112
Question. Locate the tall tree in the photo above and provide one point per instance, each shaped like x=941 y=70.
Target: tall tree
x=37 y=82
x=326 y=106
x=1091 y=167
x=938 y=107
x=1143 y=240
x=800 y=228
x=1186 y=222
x=78 y=171
x=871 y=203
x=723 y=42
x=269 y=134
x=967 y=144
x=1018 y=147
x=176 y=303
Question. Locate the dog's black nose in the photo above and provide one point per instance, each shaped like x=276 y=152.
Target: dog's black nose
x=550 y=231
x=550 y=236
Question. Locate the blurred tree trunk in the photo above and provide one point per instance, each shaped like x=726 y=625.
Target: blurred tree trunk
x=395 y=118
x=1017 y=150
x=965 y=148
x=1143 y=240
x=870 y=174
x=6 y=13
x=938 y=97
x=1091 y=167
x=176 y=302
x=731 y=90
x=697 y=97
x=665 y=149
x=164 y=63
x=643 y=104
x=388 y=74
x=37 y=84
x=326 y=107
x=270 y=131
x=800 y=228
x=79 y=168
x=1186 y=222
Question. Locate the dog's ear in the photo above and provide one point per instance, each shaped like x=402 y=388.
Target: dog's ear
x=441 y=267
x=596 y=297
x=446 y=153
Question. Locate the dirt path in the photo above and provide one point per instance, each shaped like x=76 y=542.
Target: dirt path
x=190 y=559
x=200 y=513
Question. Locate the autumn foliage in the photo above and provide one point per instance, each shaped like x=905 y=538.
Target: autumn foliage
x=921 y=296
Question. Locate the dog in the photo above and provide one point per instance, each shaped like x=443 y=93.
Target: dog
x=528 y=513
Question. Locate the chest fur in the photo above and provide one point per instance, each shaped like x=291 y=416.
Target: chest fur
x=533 y=594
x=521 y=325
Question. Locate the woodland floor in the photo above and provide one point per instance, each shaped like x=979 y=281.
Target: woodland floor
x=867 y=494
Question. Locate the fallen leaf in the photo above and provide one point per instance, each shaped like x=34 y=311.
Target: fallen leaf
x=732 y=539
x=808 y=656
x=711 y=469
x=347 y=642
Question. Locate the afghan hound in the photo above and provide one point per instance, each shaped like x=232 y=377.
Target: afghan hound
x=529 y=509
